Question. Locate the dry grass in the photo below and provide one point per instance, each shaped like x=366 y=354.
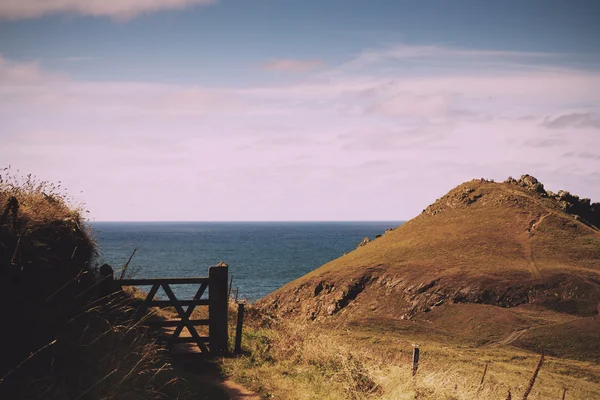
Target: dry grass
x=40 y=202
x=486 y=236
x=487 y=267
x=62 y=336
x=92 y=348
x=291 y=360
x=43 y=228
x=484 y=243
x=104 y=353
x=291 y=364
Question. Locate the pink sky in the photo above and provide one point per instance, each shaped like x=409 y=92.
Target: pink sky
x=364 y=139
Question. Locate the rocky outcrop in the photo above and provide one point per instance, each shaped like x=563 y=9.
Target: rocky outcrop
x=564 y=293
x=584 y=209
x=363 y=242
x=460 y=197
x=320 y=300
x=560 y=292
x=529 y=183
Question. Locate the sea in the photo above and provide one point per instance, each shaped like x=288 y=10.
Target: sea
x=262 y=256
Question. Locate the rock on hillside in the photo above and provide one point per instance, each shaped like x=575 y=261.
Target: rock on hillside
x=505 y=245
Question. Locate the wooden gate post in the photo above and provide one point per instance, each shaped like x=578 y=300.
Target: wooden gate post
x=107 y=283
x=218 y=308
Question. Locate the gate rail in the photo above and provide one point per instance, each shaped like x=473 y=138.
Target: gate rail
x=216 y=283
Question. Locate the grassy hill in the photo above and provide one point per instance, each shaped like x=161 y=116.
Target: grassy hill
x=487 y=264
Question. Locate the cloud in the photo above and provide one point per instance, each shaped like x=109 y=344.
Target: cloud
x=545 y=142
x=25 y=73
x=227 y=150
x=75 y=59
x=582 y=155
x=295 y=66
x=118 y=9
x=411 y=105
x=573 y=120
x=442 y=53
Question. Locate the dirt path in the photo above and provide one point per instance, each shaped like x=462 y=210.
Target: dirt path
x=237 y=391
x=528 y=245
x=526 y=238
x=511 y=338
x=536 y=201
x=205 y=372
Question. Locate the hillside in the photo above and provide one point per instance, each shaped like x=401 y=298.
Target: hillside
x=65 y=333
x=490 y=263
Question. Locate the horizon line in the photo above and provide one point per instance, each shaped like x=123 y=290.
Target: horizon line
x=238 y=221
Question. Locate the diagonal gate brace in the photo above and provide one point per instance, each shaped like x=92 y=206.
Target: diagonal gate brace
x=184 y=315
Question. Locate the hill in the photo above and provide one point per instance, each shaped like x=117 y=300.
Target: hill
x=488 y=263
x=65 y=333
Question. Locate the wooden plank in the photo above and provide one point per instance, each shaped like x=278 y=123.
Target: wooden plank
x=188 y=339
x=160 y=281
x=177 y=322
x=218 y=309
x=168 y=303
x=190 y=309
x=184 y=318
x=141 y=311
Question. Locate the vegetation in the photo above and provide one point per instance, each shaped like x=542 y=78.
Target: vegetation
x=486 y=275
x=481 y=280
x=63 y=337
x=487 y=263
x=304 y=360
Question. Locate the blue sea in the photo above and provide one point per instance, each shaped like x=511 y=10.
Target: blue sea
x=262 y=256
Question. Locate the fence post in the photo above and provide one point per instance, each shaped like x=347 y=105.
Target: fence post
x=415 y=359
x=238 y=329
x=107 y=284
x=218 y=308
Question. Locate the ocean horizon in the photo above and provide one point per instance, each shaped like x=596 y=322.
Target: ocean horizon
x=262 y=255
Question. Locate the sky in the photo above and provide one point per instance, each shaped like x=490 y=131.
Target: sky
x=322 y=110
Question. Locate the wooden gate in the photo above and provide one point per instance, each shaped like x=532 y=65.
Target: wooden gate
x=217 y=300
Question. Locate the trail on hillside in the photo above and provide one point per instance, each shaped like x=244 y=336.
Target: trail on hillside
x=526 y=240
x=535 y=271
x=536 y=201
x=527 y=237
x=512 y=337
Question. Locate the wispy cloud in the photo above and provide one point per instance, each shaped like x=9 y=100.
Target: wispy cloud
x=269 y=148
x=291 y=65
x=412 y=105
x=76 y=59
x=545 y=142
x=25 y=73
x=583 y=155
x=573 y=120
x=118 y=9
x=435 y=52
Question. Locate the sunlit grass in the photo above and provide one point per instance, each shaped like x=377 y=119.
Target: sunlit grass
x=291 y=360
